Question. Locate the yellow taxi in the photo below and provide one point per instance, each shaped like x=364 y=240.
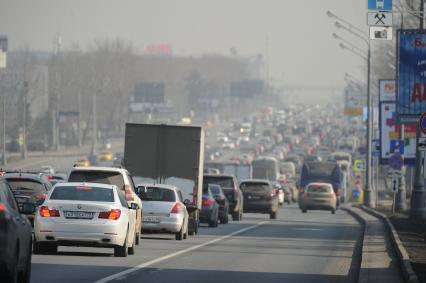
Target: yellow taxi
x=82 y=162
x=105 y=156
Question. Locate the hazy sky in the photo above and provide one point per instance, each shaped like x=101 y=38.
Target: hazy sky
x=301 y=48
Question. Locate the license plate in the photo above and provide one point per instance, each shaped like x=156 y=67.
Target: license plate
x=151 y=219
x=78 y=215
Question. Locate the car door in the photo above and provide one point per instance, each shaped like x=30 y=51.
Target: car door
x=19 y=225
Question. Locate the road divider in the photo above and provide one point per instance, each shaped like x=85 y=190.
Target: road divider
x=123 y=274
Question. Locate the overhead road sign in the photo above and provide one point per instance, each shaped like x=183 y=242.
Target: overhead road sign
x=380 y=5
x=411 y=74
x=382 y=19
x=381 y=33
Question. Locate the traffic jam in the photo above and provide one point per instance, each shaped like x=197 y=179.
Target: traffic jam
x=266 y=161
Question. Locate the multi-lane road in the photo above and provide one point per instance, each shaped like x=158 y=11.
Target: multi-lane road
x=313 y=247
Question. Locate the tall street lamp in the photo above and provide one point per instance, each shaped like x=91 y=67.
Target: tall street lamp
x=368 y=201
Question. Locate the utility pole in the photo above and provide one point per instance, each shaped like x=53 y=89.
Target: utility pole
x=3 y=63
x=24 y=123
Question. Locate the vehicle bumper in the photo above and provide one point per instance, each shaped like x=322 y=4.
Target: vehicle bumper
x=311 y=204
x=206 y=215
x=166 y=224
x=262 y=206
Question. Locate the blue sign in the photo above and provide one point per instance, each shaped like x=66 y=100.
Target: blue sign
x=397 y=146
x=396 y=161
x=411 y=95
x=380 y=5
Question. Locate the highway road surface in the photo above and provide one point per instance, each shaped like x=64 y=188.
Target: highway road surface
x=296 y=247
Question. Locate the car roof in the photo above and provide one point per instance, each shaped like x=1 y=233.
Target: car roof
x=162 y=186
x=83 y=184
x=26 y=175
x=98 y=168
x=256 y=181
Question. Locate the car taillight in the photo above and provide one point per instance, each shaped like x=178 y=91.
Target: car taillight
x=2 y=208
x=113 y=214
x=128 y=193
x=50 y=177
x=46 y=212
x=270 y=195
x=207 y=202
x=177 y=208
x=302 y=190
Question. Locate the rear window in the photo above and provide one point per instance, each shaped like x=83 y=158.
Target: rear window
x=215 y=190
x=224 y=182
x=255 y=187
x=19 y=184
x=102 y=177
x=158 y=194
x=319 y=189
x=82 y=193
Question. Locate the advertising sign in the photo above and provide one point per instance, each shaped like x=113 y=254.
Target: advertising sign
x=411 y=96
x=389 y=130
x=387 y=90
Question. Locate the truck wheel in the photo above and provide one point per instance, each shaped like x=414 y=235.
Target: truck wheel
x=137 y=239
x=273 y=215
x=225 y=219
x=236 y=216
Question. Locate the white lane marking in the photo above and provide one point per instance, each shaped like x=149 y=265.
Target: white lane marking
x=123 y=274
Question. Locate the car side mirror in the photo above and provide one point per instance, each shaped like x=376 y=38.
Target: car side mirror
x=133 y=206
x=186 y=202
x=27 y=208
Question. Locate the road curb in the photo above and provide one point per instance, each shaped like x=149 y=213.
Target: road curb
x=404 y=260
x=362 y=275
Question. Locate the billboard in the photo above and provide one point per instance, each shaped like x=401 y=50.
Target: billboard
x=389 y=130
x=411 y=74
x=146 y=92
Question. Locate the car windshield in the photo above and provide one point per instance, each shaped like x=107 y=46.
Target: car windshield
x=158 y=194
x=25 y=185
x=255 y=187
x=102 y=177
x=82 y=193
x=224 y=182
x=215 y=190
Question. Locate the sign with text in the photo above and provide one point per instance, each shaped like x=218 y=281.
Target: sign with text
x=411 y=93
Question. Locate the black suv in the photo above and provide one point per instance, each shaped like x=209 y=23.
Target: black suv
x=29 y=187
x=15 y=237
x=232 y=192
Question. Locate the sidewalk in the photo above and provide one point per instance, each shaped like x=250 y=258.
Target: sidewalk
x=379 y=262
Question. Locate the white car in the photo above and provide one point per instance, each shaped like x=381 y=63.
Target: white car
x=119 y=177
x=85 y=214
x=164 y=210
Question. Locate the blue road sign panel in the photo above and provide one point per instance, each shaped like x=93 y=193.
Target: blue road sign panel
x=380 y=5
x=411 y=95
x=397 y=146
x=396 y=161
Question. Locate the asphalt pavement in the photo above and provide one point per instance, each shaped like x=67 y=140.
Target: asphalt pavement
x=296 y=247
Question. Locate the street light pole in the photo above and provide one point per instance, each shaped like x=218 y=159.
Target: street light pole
x=368 y=195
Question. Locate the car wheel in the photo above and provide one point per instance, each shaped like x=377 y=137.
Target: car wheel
x=225 y=219
x=179 y=235
x=212 y=223
x=273 y=215
x=131 y=250
x=121 y=251
x=25 y=275
x=137 y=239
x=304 y=210
x=333 y=211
